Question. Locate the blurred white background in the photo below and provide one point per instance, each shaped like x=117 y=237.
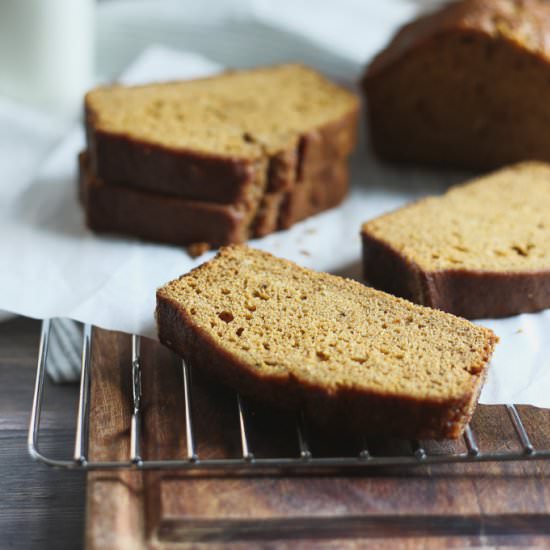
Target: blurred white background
x=51 y=50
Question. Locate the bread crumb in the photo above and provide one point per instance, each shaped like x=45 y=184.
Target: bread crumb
x=197 y=249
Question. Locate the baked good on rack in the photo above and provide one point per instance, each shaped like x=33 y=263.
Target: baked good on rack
x=258 y=141
x=480 y=250
x=348 y=355
x=464 y=86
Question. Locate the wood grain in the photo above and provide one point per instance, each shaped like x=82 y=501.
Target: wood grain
x=40 y=508
x=114 y=497
x=474 y=504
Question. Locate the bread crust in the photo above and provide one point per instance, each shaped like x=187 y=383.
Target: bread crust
x=172 y=220
x=317 y=193
x=311 y=178
x=121 y=159
x=472 y=294
x=322 y=153
x=490 y=18
x=117 y=209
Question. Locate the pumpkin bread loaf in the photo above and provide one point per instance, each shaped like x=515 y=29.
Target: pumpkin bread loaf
x=245 y=138
x=347 y=355
x=463 y=87
x=480 y=250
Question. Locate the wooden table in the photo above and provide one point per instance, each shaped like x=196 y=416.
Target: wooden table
x=39 y=507
x=505 y=504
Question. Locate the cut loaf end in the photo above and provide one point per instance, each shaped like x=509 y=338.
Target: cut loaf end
x=474 y=72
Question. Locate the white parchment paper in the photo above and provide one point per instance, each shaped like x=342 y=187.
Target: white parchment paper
x=52 y=266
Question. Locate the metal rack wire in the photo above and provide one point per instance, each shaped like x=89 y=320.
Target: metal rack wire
x=248 y=462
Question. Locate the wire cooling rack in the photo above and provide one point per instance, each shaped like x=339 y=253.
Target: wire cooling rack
x=304 y=459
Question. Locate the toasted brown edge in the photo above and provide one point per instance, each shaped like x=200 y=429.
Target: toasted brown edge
x=271 y=217
x=473 y=294
x=119 y=159
x=294 y=197
x=315 y=195
x=127 y=211
x=481 y=18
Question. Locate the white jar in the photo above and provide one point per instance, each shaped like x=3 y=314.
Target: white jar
x=47 y=51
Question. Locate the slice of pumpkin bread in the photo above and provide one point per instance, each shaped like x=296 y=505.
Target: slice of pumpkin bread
x=480 y=250
x=347 y=355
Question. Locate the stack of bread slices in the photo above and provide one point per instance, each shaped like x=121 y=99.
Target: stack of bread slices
x=218 y=160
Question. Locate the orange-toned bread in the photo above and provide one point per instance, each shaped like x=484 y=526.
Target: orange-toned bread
x=348 y=355
x=480 y=250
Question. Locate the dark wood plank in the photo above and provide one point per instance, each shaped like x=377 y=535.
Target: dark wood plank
x=114 y=498
x=453 y=505
x=39 y=507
